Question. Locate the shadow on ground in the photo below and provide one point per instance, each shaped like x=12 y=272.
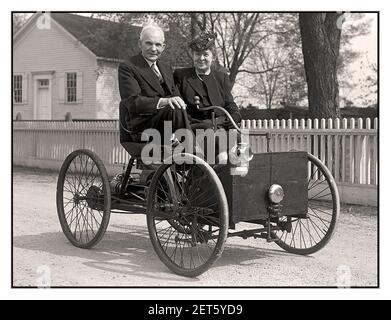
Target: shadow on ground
x=131 y=253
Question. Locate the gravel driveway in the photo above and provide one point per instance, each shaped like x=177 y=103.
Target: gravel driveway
x=125 y=256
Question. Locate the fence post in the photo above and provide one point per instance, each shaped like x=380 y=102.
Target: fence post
x=352 y=151
x=368 y=152
x=310 y=137
x=360 y=154
x=368 y=123
x=295 y=137
x=35 y=144
x=337 y=151
x=288 y=143
x=282 y=136
x=316 y=152
x=343 y=156
x=329 y=147
x=322 y=142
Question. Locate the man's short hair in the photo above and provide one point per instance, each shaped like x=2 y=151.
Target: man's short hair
x=148 y=27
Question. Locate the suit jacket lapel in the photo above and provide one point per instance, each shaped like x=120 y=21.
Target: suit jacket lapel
x=147 y=73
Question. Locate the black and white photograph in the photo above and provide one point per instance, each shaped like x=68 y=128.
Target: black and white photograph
x=195 y=149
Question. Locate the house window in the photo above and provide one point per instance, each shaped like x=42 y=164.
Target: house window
x=71 y=87
x=43 y=83
x=18 y=89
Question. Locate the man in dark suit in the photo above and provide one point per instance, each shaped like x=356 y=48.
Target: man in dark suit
x=148 y=92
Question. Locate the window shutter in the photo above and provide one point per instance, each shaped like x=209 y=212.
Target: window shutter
x=24 y=87
x=61 y=88
x=79 y=87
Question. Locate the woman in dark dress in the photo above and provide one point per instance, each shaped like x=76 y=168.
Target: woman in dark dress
x=211 y=86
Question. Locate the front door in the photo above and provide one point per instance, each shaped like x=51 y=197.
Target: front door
x=43 y=99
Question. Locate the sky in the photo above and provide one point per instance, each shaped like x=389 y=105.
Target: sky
x=368 y=47
x=368 y=43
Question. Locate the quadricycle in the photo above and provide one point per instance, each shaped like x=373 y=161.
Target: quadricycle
x=192 y=207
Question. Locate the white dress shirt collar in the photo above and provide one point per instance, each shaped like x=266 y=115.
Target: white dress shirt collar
x=150 y=63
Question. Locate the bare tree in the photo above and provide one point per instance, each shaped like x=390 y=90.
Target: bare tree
x=369 y=84
x=18 y=20
x=267 y=83
x=241 y=38
x=238 y=35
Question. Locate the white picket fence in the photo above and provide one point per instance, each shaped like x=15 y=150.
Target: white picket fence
x=47 y=143
x=349 y=147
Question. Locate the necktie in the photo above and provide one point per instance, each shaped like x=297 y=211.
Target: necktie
x=157 y=73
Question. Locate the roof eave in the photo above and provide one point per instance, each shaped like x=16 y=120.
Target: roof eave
x=25 y=26
x=110 y=59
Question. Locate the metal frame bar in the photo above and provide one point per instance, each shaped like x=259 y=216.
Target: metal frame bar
x=126 y=177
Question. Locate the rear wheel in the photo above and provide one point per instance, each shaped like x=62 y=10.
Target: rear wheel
x=187 y=216
x=83 y=198
x=313 y=232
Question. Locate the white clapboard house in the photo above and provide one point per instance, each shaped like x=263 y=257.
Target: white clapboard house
x=60 y=68
x=67 y=63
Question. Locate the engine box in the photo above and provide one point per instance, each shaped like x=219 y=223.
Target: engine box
x=248 y=195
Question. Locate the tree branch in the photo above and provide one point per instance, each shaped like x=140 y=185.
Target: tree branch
x=259 y=72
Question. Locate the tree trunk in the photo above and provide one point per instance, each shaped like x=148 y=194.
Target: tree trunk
x=197 y=23
x=320 y=36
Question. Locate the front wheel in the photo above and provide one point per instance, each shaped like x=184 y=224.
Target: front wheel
x=312 y=233
x=83 y=198
x=187 y=215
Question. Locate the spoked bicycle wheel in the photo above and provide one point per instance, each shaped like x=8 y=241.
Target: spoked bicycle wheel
x=187 y=215
x=83 y=198
x=313 y=232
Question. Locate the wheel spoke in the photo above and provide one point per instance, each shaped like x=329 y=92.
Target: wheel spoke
x=315 y=184
x=319 y=218
x=325 y=195
x=316 y=227
x=315 y=215
x=314 y=197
